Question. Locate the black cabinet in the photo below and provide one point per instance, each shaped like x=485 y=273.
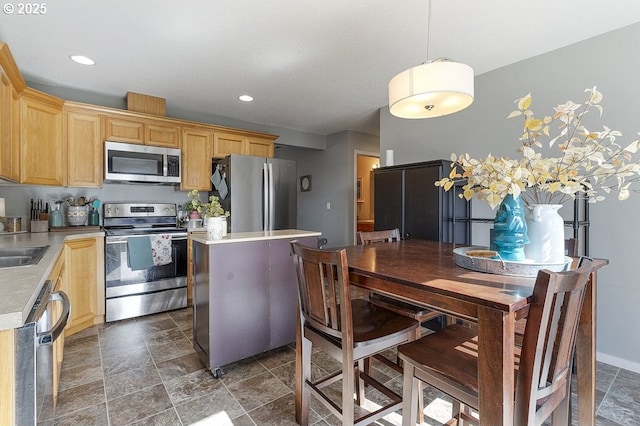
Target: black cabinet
x=406 y=198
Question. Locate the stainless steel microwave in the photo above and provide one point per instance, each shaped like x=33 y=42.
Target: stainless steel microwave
x=132 y=163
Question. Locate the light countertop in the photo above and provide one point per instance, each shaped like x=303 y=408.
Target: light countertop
x=20 y=285
x=200 y=235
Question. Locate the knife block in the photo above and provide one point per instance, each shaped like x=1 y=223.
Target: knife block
x=39 y=226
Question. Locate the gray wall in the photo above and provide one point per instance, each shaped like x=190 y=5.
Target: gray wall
x=609 y=62
x=333 y=181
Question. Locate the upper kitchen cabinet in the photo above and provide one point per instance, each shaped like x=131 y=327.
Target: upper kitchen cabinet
x=42 y=147
x=84 y=145
x=197 y=150
x=140 y=130
x=227 y=143
x=11 y=83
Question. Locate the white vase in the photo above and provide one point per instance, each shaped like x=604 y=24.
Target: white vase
x=215 y=228
x=545 y=229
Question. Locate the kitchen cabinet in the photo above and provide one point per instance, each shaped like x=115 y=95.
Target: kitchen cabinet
x=197 y=150
x=142 y=131
x=7 y=377
x=42 y=148
x=8 y=146
x=11 y=83
x=251 y=277
x=227 y=143
x=85 y=147
x=84 y=282
x=406 y=198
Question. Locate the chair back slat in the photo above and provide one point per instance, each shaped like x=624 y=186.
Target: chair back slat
x=549 y=338
x=386 y=236
x=322 y=286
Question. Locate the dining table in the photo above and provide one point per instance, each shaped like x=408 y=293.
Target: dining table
x=425 y=273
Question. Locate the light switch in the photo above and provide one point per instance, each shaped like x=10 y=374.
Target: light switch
x=328 y=205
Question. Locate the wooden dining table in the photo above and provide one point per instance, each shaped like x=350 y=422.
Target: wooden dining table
x=425 y=272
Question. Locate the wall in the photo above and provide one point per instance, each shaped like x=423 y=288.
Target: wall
x=286 y=136
x=332 y=172
x=608 y=62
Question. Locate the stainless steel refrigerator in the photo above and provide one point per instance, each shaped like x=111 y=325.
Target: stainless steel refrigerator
x=261 y=192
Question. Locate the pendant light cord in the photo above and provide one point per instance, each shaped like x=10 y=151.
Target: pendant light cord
x=428 y=31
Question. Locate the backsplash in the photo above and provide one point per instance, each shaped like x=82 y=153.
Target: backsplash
x=18 y=197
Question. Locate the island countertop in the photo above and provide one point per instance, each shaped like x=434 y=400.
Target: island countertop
x=200 y=235
x=20 y=285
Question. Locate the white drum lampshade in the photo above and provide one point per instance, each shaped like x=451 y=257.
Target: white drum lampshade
x=433 y=89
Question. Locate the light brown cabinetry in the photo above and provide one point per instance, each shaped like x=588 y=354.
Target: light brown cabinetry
x=143 y=131
x=42 y=148
x=9 y=142
x=226 y=143
x=84 y=282
x=197 y=146
x=7 y=377
x=84 y=144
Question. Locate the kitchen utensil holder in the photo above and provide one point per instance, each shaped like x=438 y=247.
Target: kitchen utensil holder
x=39 y=226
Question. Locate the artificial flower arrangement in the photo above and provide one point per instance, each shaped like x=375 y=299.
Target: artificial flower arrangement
x=589 y=162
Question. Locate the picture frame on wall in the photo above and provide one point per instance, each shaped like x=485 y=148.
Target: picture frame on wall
x=359 y=189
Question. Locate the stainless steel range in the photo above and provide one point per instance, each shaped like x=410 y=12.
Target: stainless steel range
x=145 y=259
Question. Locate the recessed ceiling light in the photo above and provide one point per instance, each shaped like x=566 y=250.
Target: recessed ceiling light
x=82 y=60
x=245 y=98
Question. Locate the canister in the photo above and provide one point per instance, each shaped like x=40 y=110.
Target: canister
x=13 y=224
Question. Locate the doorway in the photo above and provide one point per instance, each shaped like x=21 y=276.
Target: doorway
x=365 y=164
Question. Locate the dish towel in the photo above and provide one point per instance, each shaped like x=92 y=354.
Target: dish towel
x=222 y=188
x=161 y=249
x=139 y=255
x=215 y=178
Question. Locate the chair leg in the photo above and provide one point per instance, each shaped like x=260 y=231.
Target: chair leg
x=360 y=365
x=306 y=376
x=349 y=370
x=410 y=387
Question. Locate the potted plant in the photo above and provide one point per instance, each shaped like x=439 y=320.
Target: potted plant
x=215 y=218
x=193 y=207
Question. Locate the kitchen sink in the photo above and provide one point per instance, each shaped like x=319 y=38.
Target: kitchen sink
x=21 y=256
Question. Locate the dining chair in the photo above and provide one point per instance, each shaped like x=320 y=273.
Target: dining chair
x=349 y=330
x=448 y=359
x=419 y=313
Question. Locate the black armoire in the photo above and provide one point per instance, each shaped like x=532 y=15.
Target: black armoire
x=405 y=197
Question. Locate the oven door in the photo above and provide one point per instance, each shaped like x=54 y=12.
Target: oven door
x=131 y=293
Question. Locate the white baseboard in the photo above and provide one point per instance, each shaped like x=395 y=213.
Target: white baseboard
x=618 y=362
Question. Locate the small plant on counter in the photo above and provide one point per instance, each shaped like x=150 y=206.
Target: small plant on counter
x=194 y=206
x=213 y=208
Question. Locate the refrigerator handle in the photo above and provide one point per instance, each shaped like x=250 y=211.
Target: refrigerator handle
x=265 y=195
x=272 y=202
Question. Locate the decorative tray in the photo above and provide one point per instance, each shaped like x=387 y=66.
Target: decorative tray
x=478 y=261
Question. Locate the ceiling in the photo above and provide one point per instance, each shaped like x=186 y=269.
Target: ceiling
x=315 y=66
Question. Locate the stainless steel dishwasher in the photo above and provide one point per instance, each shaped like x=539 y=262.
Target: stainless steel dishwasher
x=34 y=357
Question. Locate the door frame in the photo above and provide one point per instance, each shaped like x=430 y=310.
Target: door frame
x=356 y=153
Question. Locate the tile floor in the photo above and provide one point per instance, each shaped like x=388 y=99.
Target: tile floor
x=144 y=371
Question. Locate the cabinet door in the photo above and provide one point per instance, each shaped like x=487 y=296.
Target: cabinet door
x=196 y=159
x=162 y=135
x=85 y=148
x=228 y=143
x=42 y=149
x=423 y=203
x=260 y=147
x=81 y=278
x=123 y=130
x=388 y=199
x=6 y=127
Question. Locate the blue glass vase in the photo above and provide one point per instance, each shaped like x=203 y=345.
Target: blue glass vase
x=510 y=229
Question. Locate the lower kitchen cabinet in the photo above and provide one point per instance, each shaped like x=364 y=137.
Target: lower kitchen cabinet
x=84 y=282
x=7 y=377
x=57 y=283
x=245 y=298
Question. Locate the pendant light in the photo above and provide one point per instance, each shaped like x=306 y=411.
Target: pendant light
x=433 y=89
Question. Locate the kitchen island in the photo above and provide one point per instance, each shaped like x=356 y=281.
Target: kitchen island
x=244 y=294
